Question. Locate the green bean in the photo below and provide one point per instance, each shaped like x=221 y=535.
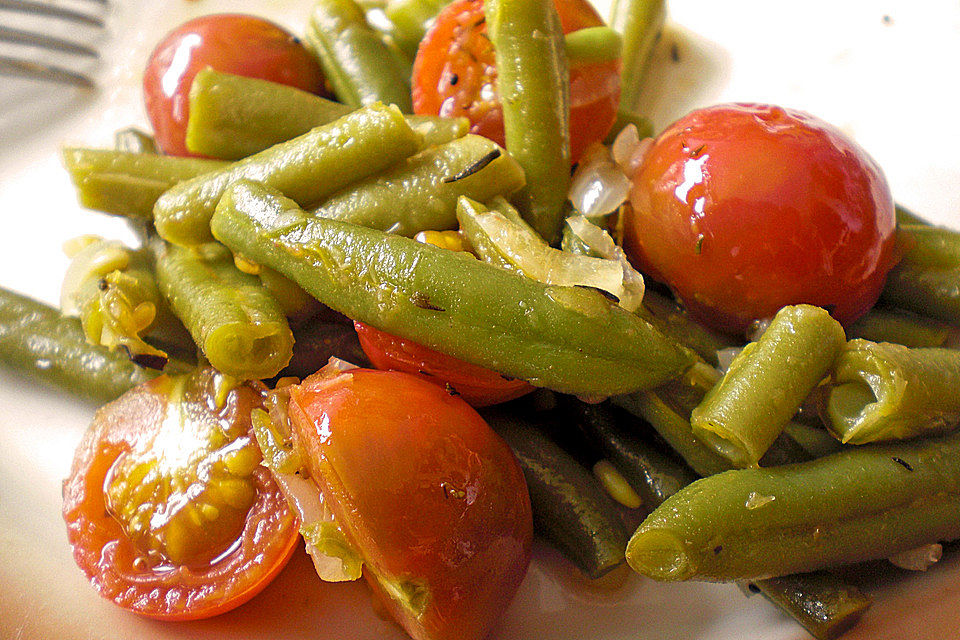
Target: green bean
x=824 y=605
x=627 y=117
x=113 y=290
x=533 y=82
x=654 y=475
x=128 y=184
x=570 y=508
x=593 y=45
x=767 y=382
x=564 y=338
x=133 y=140
x=863 y=503
x=640 y=22
x=900 y=327
x=39 y=342
x=232 y=117
x=307 y=169
x=883 y=391
x=670 y=318
x=411 y=19
x=905 y=216
x=233 y=319
x=927 y=280
x=357 y=62
x=421 y=192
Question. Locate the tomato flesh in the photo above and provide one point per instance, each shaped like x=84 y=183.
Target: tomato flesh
x=743 y=208
x=455 y=74
x=433 y=500
x=168 y=511
x=479 y=386
x=232 y=43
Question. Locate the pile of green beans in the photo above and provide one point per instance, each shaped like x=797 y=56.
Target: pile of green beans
x=307 y=202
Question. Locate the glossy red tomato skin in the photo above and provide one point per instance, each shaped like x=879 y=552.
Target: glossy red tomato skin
x=745 y=208
x=454 y=74
x=478 y=386
x=233 y=43
x=427 y=492
x=115 y=566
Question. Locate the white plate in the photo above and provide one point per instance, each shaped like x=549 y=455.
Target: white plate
x=883 y=71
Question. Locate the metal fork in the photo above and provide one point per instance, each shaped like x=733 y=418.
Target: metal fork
x=33 y=42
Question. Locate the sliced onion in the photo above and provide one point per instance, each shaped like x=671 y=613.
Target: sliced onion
x=601 y=243
x=599 y=186
x=629 y=149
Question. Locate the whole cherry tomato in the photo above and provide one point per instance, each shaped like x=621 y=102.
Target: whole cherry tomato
x=744 y=208
x=433 y=500
x=455 y=74
x=232 y=43
x=168 y=510
x=479 y=386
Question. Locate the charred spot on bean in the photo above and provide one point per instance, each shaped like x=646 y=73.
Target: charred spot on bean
x=423 y=302
x=475 y=167
x=717 y=549
x=903 y=463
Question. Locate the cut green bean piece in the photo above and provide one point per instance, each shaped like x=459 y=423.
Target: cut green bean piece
x=133 y=140
x=564 y=338
x=411 y=19
x=905 y=216
x=533 y=82
x=640 y=22
x=233 y=319
x=900 y=327
x=570 y=508
x=883 y=391
x=128 y=184
x=767 y=382
x=357 y=61
x=653 y=474
x=36 y=340
x=421 y=192
x=593 y=45
x=671 y=319
x=863 y=503
x=306 y=169
x=113 y=290
x=823 y=604
x=232 y=117
x=927 y=279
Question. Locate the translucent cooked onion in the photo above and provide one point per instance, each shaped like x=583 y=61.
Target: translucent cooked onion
x=599 y=186
x=628 y=150
x=600 y=242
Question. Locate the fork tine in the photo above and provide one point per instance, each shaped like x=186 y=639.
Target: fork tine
x=24 y=69
x=40 y=8
x=47 y=42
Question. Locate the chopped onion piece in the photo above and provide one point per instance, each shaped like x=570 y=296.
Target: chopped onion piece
x=919 y=559
x=726 y=356
x=598 y=186
x=603 y=245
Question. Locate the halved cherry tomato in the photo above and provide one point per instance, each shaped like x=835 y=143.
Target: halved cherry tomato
x=430 y=496
x=479 y=386
x=232 y=43
x=744 y=208
x=455 y=74
x=168 y=510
